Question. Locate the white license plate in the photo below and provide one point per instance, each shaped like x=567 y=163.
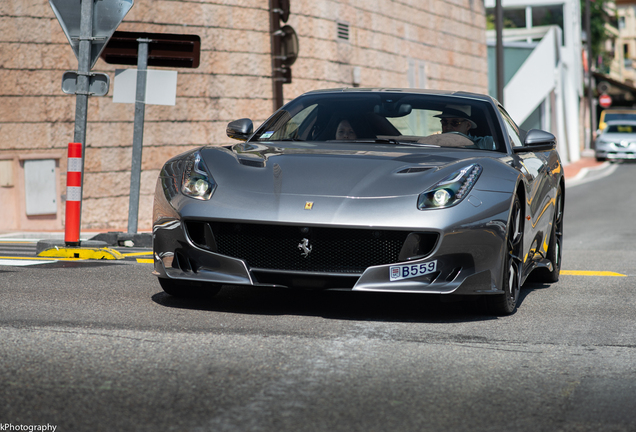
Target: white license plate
x=407 y=271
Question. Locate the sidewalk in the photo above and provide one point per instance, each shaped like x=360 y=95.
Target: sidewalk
x=581 y=166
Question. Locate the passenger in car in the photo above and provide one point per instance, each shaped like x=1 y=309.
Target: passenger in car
x=345 y=131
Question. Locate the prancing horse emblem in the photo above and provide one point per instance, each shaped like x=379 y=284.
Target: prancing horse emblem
x=305 y=247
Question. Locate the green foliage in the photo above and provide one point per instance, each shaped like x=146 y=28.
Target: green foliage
x=598 y=18
x=490 y=21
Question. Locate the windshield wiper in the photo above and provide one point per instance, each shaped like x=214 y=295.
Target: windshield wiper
x=395 y=142
x=378 y=141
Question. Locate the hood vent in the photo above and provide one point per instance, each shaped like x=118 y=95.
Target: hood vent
x=252 y=163
x=410 y=170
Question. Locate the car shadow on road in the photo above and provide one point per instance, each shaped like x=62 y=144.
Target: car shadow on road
x=344 y=305
x=529 y=287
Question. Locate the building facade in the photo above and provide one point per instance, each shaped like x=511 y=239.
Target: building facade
x=437 y=44
x=542 y=68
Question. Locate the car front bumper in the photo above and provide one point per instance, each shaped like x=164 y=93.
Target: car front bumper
x=468 y=262
x=614 y=152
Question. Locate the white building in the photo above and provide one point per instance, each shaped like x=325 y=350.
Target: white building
x=542 y=68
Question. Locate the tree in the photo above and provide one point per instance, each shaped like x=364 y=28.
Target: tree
x=601 y=12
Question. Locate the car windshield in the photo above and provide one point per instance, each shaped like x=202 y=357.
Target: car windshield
x=385 y=117
x=610 y=116
x=621 y=128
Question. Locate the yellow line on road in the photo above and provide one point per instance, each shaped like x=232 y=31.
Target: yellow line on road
x=145 y=260
x=137 y=254
x=590 y=273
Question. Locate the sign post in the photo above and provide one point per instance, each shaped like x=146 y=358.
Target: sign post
x=138 y=135
x=147 y=49
x=81 y=106
x=88 y=31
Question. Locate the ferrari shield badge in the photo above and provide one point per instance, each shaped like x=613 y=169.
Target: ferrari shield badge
x=309 y=205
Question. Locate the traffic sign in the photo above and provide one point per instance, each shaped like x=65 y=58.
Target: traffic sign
x=289 y=46
x=605 y=100
x=107 y=15
x=164 y=49
x=87 y=24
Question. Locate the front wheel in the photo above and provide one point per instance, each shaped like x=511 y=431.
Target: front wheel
x=506 y=303
x=189 y=289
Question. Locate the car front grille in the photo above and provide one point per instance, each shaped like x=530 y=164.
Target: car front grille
x=280 y=247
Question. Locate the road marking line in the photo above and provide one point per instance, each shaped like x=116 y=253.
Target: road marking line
x=24 y=262
x=591 y=273
x=38 y=258
x=137 y=254
x=145 y=260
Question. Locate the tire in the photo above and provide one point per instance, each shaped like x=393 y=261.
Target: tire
x=189 y=289
x=555 y=247
x=506 y=303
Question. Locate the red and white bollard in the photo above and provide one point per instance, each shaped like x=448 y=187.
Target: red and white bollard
x=73 y=194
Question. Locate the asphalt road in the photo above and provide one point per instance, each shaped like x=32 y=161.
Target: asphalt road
x=97 y=346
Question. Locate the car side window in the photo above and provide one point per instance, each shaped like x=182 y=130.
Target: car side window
x=511 y=127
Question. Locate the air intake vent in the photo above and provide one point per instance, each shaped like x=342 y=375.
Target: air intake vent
x=412 y=170
x=331 y=250
x=343 y=31
x=252 y=163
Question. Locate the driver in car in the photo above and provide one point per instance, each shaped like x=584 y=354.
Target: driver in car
x=456 y=118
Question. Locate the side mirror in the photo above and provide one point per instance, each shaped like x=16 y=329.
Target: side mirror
x=537 y=140
x=240 y=129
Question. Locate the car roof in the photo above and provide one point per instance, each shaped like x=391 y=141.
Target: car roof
x=621 y=122
x=620 y=111
x=413 y=91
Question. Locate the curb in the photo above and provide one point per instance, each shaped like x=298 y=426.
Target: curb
x=584 y=171
x=118 y=238
x=59 y=250
x=56 y=244
x=588 y=174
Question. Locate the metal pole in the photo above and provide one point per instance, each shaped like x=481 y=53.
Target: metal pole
x=590 y=76
x=138 y=135
x=83 y=75
x=499 y=51
x=275 y=35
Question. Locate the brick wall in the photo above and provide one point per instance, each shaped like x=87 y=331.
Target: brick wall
x=438 y=44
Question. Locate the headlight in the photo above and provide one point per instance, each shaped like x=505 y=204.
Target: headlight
x=451 y=190
x=197 y=183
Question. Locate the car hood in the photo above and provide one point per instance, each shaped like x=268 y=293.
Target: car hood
x=617 y=137
x=337 y=170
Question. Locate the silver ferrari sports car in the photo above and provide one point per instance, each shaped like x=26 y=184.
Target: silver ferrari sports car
x=384 y=190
